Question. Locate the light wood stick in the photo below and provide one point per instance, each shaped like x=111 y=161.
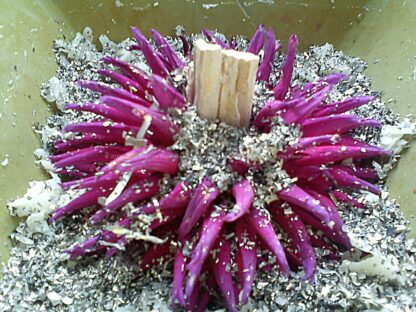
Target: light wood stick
x=207 y=71
x=238 y=77
x=223 y=84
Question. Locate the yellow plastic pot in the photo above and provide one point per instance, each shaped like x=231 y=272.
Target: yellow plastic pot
x=379 y=31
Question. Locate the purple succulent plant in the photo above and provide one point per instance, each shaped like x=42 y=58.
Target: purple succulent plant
x=100 y=157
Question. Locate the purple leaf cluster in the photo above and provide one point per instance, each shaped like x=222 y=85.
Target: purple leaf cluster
x=118 y=160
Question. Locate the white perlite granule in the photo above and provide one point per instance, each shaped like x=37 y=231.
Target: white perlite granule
x=39 y=276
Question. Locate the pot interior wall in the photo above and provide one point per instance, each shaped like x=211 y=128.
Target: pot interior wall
x=374 y=30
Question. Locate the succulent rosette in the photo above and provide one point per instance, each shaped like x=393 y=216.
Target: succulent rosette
x=135 y=162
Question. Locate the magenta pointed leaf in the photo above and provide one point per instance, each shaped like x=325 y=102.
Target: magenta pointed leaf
x=141 y=190
x=221 y=264
x=360 y=172
x=348 y=199
x=178 y=278
x=112 y=129
x=214 y=38
x=303 y=110
x=349 y=141
x=296 y=230
x=282 y=87
x=328 y=154
x=127 y=83
x=89 y=155
x=304 y=143
x=85 y=140
x=106 y=89
x=343 y=106
x=112 y=166
x=315 y=86
x=243 y=193
x=260 y=221
x=186 y=49
x=153 y=60
x=86 y=247
x=336 y=225
x=335 y=124
x=270 y=110
x=297 y=196
x=129 y=70
x=308 y=173
x=201 y=201
x=270 y=49
x=87 y=199
x=155 y=160
x=246 y=259
x=167 y=50
x=89 y=182
x=165 y=94
x=161 y=128
x=332 y=229
x=103 y=110
x=257 y=41
x=210 y=230
x=345 y=179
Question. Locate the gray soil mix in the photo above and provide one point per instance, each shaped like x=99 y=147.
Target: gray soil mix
x=39 y=276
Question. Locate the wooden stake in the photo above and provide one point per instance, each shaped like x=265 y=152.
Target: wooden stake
x=207 y=71
x=224 y=83
x=238 y=77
